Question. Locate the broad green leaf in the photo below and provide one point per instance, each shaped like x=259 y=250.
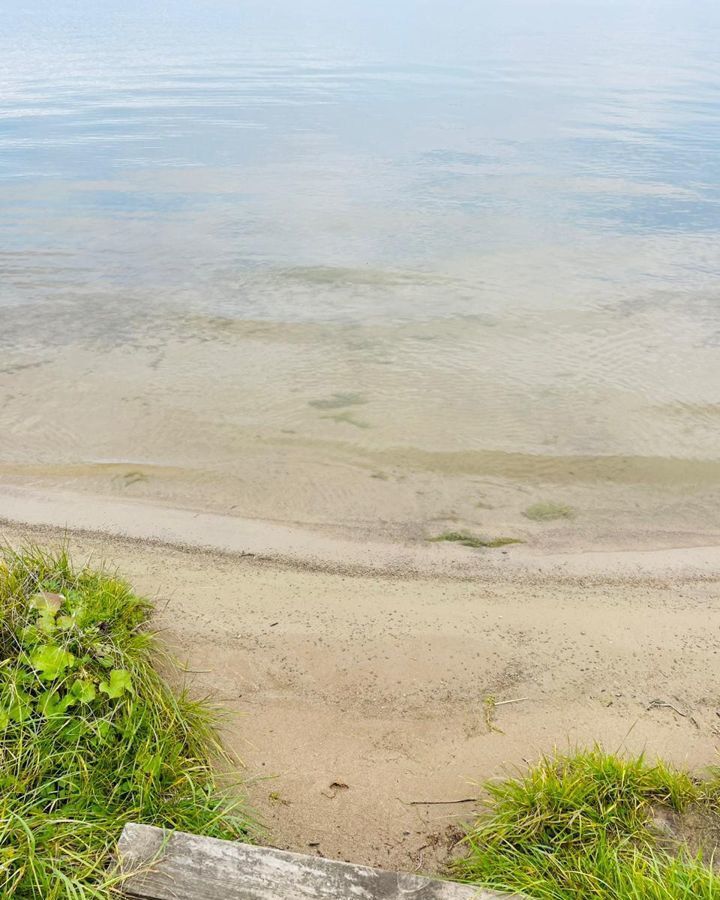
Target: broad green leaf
x=151 y=764
x=46 y=621
x=51 y=661
x=44 y=601
x=22 y=676
x=83 y=690
x=52 y=704
x=75 y=728
x=31 y=635
x=4 y=719
x=120 y=681
x=103 y=729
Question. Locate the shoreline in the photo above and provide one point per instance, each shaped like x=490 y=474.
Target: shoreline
x=292 y=545
x=357 y=686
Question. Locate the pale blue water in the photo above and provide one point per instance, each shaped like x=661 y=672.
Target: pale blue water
x=534 y=185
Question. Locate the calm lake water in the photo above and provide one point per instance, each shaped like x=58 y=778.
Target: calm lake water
x=473 y=240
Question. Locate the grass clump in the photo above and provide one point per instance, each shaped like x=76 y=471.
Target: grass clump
x=472 y=540
x=91 y=736
x=580 y=827
x=547 y=511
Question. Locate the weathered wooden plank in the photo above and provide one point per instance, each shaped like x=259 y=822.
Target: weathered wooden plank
x=165 y=865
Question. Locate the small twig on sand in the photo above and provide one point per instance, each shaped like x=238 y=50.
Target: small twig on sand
x=505 y=702
x=662 y=704
x=437 y=802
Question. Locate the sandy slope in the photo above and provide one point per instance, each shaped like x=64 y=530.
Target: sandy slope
x=361 y=688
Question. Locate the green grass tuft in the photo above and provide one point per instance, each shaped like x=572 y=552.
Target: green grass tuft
x=547 y=511
x=472 y=540
x=580 y=827
x=91 y=736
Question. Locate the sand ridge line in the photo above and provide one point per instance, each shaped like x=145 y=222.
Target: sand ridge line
x=304 y=548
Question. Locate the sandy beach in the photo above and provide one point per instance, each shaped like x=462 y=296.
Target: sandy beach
x=377 y=345
x=369 y=686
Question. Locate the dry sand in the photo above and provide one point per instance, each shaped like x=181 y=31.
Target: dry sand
x=358 y=674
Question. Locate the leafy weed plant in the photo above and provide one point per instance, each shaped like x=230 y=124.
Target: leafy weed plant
x=91 y=736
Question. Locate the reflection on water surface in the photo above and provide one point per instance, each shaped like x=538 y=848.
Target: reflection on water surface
x=496 y=226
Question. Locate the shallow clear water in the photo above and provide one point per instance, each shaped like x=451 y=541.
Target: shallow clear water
x=433 y=227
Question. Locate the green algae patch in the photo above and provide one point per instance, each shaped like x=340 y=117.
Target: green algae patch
x=472 y=540
x=339 y=401
x=130 y=478
x=346 y=418
x=547 y=511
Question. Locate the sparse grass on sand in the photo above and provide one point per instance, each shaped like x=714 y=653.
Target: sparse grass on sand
x=548 y=511
x=91 y=736
x=580 y=827
x=472 y=540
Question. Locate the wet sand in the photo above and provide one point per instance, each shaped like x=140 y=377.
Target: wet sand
x=357 y=674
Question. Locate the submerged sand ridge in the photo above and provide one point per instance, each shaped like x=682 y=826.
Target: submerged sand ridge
x=297 y=505
x=286 y=422
x=359 y=692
